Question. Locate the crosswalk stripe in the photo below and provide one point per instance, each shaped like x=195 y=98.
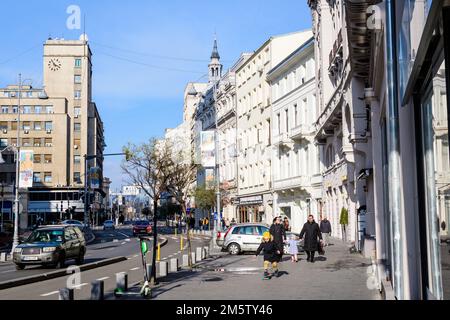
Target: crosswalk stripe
x=49 y=294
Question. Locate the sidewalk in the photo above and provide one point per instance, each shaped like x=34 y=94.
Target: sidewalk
x=338 y=275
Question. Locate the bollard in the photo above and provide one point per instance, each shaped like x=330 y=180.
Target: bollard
x=163 y=268
x=181 y=242
x=98 y=290
x=193 y=257
x=122 y=281
x=66 y=294
x=176 y=231
x=158 y=252
x=198 y=254
x=3 y=257
x=206 y=250
x=185 y=260
x=173 y=265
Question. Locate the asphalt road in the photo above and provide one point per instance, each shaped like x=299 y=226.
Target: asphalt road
x=125 y=246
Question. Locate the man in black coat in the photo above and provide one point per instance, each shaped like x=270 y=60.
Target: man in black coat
x=325 y=229
x=279 y=236
x=311 y=233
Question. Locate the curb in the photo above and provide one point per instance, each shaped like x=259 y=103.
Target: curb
x=56 y=274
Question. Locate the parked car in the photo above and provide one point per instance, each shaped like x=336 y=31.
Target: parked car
x=51 y=246
x=75 y=223
x=244 y=237
x=108 y=224
x=142 y=227
x=221 y=237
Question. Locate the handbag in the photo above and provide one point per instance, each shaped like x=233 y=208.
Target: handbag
x=321 y=249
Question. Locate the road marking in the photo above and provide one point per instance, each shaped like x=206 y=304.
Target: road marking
x=135 y=256
x=49 y=294
x=125 y=235
x=80 y=285
x=115 y=240
x=111 y=249
x=134 y=269
x=103 y=279
x=123 y=243
x=127 y=240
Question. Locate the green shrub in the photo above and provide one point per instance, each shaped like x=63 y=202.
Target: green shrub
x=344 y=217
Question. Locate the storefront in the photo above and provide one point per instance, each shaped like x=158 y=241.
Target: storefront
x=251 y=209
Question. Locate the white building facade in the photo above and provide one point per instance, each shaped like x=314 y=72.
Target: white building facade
x=254 y=111
x=295 y=164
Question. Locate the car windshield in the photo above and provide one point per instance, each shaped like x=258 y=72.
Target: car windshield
x=108 y=222
x=142 y=223
x=72 y=222
x=46 y=236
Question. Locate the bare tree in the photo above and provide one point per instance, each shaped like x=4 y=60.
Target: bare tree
x=148 y=166
x=183 y=176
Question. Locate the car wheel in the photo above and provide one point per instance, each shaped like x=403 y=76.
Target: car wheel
x=62 y=261
x=80 y=260
x=20 y=266
x=234 y=249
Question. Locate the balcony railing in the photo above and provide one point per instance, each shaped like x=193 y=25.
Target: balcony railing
x=294 y=182
x=282 y=139
x=301 y=132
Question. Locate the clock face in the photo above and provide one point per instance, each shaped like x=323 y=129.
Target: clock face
x=54 y=64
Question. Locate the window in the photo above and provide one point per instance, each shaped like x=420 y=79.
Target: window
x=77 y=159
x=26 y=142
x=77 y=177
x=48 y=126
x=286 y=117
x=37 y=159
x=48 y=158
x=26 y=109
x=38 y=126
x=279 y=123
x=3 y=143
x=26 y=125
x=37 y=177
x=5 y=109
x=296 y=114
x=77 y=79
x=37 y=109
x=77 y=127
x=48 y=142
x=77 y=94
x=37 y=142
x=49 y=109
x=77 y=63
x=3 y=125
x=77 y=111
x=77 y=143
x=14 y=142
x=48 y=177
x=14 y=109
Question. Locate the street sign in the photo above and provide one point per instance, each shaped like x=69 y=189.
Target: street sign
x=216 y=216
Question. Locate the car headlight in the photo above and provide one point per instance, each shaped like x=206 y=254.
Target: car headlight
x=17 y=250
x=48 y=249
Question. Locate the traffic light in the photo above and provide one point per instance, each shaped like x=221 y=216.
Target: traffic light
x=128 y=154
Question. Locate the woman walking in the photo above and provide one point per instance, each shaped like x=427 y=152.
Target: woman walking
x=312 y=235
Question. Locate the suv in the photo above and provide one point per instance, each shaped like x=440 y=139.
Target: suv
x=244 y=237
x=51 y=246
x=142 y=227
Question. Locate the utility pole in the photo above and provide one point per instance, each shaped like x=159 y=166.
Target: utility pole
x=217 y=163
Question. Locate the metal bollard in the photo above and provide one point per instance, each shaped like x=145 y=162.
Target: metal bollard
x=206 y=250
x=185 y=260
x=122 y=281
x=198 y=254
x=163 y=268
x=173 y=265
x=3 y=257
x=66 y=294
x=149 y=270
x=193 y=257
x=98 y=290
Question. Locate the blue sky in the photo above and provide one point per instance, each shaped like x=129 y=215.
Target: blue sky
x=137 y=101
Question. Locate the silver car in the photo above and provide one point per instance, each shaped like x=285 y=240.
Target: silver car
x=244 y=237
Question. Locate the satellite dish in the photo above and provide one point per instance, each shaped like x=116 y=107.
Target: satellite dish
x=84 y=37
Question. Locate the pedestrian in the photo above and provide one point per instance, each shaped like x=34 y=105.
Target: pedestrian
x=227 y=223
x=325 y=229
x=206 y=223
x=293 y=249
x=311 y=233
x=233 y=222
x=200 y=223
x=222 y=221
x=271 y=252
x=279 y=236
x=286 y=225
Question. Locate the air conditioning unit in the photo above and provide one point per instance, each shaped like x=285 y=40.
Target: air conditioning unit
x=5 y=131
x=26 y=131
x=49 y=131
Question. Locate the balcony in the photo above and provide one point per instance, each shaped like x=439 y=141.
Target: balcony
x=283 y=140
x=301 y=132
x=299 y=182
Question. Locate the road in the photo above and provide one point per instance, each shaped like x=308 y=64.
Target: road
x=105 y=246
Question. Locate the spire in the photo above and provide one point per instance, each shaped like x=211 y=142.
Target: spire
x=215 y=52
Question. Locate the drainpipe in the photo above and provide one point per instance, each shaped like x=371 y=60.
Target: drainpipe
x=394 y=150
